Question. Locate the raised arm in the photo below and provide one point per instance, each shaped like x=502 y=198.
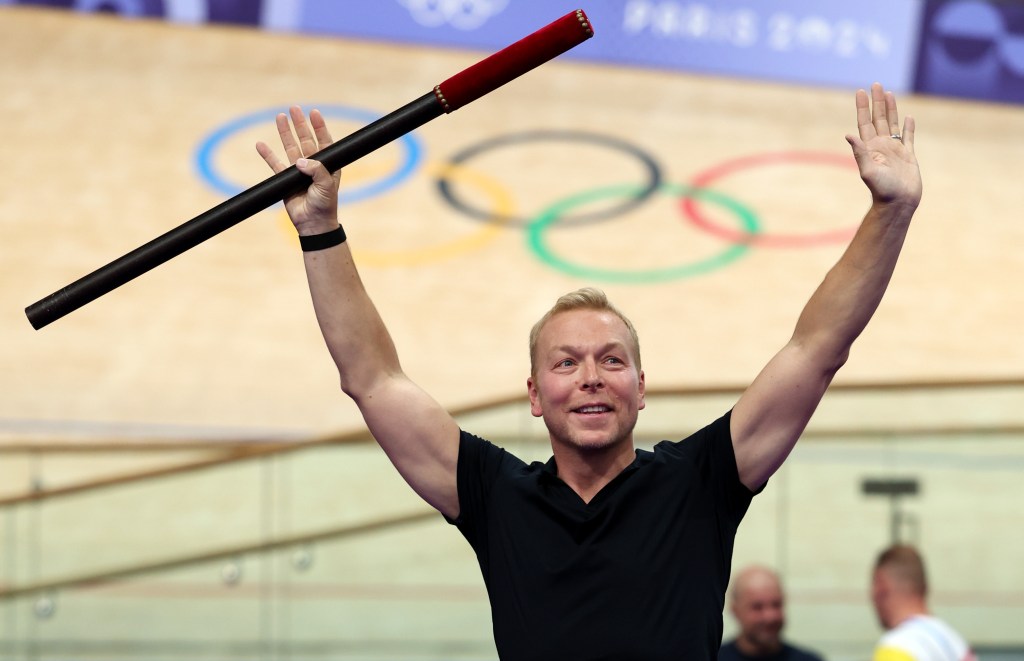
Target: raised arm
x=773 y=412
x=417 y=433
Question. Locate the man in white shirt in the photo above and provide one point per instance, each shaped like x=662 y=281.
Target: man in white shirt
x=899 y=590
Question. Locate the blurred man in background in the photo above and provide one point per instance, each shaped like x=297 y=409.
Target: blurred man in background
x=899 y=592
x=758 y=605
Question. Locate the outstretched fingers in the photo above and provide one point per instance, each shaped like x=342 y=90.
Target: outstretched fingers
x=323 y=136
x=892 y=115
x=908 y=132
x=307 y=141
x=271 y=159
x=284 y=132
x=884 y=153
x=865 y=126
x=880 y=110
x=878 y=115
x=299 y=138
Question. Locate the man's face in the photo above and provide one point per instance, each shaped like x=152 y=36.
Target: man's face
x=760 y=612
x=587 y=386
x=880 y=589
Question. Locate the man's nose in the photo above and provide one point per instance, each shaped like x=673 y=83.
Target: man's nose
x=590 y=376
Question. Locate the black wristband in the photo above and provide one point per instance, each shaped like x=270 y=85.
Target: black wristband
x=321 y=241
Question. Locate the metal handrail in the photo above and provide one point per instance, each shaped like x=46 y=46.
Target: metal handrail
x=108 y=576
x=242 y=452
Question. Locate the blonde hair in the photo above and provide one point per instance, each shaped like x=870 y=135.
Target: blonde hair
x=585 y=298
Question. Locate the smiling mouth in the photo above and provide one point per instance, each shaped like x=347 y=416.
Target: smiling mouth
x=597 y=408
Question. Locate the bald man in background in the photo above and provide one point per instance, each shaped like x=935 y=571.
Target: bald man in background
x=758 y=605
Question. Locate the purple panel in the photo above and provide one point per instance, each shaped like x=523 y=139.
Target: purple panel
x=808 y=41
x=242 y=12
x=246 y=12
x=973 y=49
x=60 y=4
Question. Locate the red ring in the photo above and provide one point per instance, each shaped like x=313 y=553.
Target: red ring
x=768 y=240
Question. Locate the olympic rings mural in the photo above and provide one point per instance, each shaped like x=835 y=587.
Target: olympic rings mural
x=502 y=215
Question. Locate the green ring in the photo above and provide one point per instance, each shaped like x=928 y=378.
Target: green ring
x=550 y=216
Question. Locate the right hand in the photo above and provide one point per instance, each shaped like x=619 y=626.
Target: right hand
x=314 y=210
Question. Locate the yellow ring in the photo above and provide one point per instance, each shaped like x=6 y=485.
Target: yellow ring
x=503 y=208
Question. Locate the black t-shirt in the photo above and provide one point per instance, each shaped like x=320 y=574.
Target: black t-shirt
x=638 y=573
x=730 y=652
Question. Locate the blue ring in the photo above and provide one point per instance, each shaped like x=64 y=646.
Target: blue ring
x=204 y=154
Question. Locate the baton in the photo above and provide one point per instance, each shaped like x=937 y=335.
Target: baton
x=464 y=87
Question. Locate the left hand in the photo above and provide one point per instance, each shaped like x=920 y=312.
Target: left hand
x=884 y=153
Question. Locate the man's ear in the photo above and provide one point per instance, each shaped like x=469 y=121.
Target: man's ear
x=643 y=391
x=531 y=390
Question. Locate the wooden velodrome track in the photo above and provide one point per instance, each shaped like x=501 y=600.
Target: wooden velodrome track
x=118 y=131
x=105 y=122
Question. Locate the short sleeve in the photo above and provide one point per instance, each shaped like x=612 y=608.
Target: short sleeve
x=711 y=454
x=732 y=491
x=479 y=467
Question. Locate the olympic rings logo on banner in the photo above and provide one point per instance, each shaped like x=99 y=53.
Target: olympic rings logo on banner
x=502 y=213
x=459 y=14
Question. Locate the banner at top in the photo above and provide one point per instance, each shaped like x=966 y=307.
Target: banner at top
x=839 y=44
x=802 y=41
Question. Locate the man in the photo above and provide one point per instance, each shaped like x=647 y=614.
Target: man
x=605 y=552
x=758 y=605
x=899 y=592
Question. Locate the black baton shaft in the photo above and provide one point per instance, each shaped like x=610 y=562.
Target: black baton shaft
x=230 y=212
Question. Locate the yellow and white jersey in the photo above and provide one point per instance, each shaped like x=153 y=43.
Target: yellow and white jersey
x=923 y=638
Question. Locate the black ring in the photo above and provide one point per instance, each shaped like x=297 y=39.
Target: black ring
x=650 y=165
